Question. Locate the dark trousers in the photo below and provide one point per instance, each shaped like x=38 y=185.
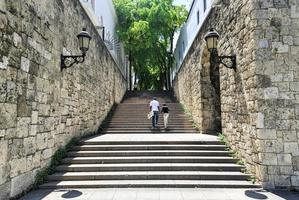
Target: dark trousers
x=155 y=118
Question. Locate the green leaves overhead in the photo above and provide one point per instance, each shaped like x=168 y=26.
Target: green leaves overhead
x=146 y=27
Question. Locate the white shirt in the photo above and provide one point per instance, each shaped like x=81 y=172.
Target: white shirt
x=154 y=104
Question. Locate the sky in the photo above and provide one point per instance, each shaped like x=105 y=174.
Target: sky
x=183 y=2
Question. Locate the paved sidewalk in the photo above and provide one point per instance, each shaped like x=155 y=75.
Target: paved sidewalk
x=160 y=194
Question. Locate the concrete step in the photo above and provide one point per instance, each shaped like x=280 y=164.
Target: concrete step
x=126 y=112
x=142 y=111
x=148 y=121
x=145 y=126
x=145 y=142
x=147 y=147
x=149 y=159
x=149 y=175
x=124 y=129
x=149 y=183
x=144 y=117
x=146 y=153
x=150 y=167
x=147 y=104
x=149 y=131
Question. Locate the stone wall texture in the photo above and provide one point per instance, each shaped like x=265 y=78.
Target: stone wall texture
x=42 y=108
x=260 y=100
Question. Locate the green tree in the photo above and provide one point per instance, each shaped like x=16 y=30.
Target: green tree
x=147 y=27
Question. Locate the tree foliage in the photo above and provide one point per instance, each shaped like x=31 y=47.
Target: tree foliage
x=147 y=27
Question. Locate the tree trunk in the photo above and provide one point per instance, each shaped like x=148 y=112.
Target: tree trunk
x=130 y=71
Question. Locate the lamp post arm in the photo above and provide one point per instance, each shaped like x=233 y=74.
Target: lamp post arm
x=70 y=60
x=232 y=59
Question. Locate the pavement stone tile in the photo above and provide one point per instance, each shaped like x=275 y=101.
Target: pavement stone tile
x=148 y=194
x=170 y=194
x=125 y=194
x=159 y=194
x=192 y=194
x=102 y=194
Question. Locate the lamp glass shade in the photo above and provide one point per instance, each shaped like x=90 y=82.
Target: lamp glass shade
x=212 y=43
x=212 y=39
x=84 y=40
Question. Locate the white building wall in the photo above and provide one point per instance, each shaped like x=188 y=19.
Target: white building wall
x=103 y=14
x=189 y=31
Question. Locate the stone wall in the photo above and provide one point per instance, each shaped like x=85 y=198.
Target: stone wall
x=260 y=100
x=42 y=108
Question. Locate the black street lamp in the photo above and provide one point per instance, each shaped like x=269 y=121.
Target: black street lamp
x=69 y=60
x=212 y=42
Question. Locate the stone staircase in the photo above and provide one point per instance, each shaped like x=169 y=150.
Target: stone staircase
x=130 y=154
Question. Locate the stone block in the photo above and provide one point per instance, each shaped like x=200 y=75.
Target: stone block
x=16 y=148
x=8 y=115
x=29 y=145
x=4 y=62
x=46 y=154
x=21 y=183
x=2 y=133
x=276 y=77
x=271 y=146
x=4 y=173
x=17 y=39
x=282 y=181
x=266 y=3
x=284 y=159
x=283 y=87
x=268 y=158
x=285 y=124
x=4 y=152
x=33 y=130
x=294 y=86
x=24 y=110
x=18 y=166
x=291 y=147
x=34 y=117
x=11 y=95
x=295 y=181
x=23 y=126
x=25 y=64
x=260 y=120
x=281 y=3
x=41 y=140
x=286 y=170
x=264 y=43
x=51 y=143
x=268 y=185
x=29 y=163
x=36 y=159
x=44 y=109
x=289 y=136
x=295 y=163
x=286 y=113
x=288 y=40
x=278 y=47
x=5 y=189
x=49 y=124
x=2 y=7
x=271 y=93
x=47 y=55
x=294 y=11
x=266 y=134
x=273 y=170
